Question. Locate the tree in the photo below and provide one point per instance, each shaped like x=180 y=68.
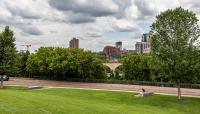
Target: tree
x=61 y=63
x=22 y=58
x=175 y=45
x=136 y=67
x=7 y=53
x=100 y=55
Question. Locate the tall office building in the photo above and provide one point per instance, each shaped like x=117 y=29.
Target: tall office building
x=118 y=45
x=145 y=45
x=138 y=47
x=74 y=43
x=147 y=38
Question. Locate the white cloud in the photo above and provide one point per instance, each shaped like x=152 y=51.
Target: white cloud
x=96 y=8
x=125 y=25
x=55 y=22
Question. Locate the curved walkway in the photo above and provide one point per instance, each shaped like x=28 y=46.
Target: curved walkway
x=100 y=86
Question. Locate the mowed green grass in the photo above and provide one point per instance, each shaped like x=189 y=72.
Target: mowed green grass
x=19 y=100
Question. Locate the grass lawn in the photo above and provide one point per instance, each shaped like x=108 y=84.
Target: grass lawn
x=19 y=100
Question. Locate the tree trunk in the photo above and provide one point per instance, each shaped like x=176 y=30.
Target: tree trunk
x=179 y=91
x=1 y=81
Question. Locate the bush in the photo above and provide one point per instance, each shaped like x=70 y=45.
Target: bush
x=136 y=67
x=62 y=63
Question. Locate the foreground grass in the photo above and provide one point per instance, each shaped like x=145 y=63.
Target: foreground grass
x=18 y=100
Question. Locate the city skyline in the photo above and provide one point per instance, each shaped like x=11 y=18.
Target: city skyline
x=54 y=22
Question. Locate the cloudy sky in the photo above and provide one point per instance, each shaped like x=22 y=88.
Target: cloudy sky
x=95 y=22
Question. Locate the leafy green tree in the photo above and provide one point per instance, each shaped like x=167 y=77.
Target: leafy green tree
x=119 y=73
x=22 y=60
x=38 y=63
x=157 y=73
x=112 y=75
x=136 y=67
x=101 y=56
x=175 y=45
x=62 y=63
x=7 y=53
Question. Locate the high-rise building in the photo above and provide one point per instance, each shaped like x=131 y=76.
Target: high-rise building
x=118 y=45
x=138 y=47
x=147 y=38
x=111 y=53
x=74 y=43
x=145 y=45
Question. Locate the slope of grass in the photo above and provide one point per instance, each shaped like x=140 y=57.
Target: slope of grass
x=19 y=100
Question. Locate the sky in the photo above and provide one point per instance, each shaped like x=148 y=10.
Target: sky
x=96 y=23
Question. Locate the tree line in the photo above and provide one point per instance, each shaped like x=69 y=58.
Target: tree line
x=62 y=63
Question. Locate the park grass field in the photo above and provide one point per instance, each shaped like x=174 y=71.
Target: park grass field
x=20 y=100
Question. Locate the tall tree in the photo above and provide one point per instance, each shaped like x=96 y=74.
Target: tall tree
x=136 y=67
x=22 y=58
x=7 y=53
x=175 y=45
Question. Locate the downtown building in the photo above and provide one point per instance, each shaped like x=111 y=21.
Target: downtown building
x=145 y=45
x=118 y=45
x=112 y=53
x=74 y=43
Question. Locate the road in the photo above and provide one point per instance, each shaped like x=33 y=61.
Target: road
x=115 y=87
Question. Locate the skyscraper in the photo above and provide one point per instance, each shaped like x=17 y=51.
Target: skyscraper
x=145 y=45
x=146 y=39
x=74 y=43
x=118 y=45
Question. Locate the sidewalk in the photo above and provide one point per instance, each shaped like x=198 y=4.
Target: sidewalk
x=101 y=86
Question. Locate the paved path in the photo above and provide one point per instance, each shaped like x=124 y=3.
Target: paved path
x=116 y=87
